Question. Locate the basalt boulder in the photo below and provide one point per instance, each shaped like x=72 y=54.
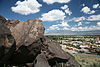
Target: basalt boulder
x=24 y=43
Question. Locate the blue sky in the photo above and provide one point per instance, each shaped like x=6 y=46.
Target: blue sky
x=68 y=15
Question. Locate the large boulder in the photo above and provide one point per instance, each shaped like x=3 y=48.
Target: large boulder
x=24 y=43
x=26 y=32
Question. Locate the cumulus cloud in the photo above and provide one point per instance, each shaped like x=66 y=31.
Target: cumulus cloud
x=56 y=1
x=96 y=6
x=98 y=23
x=87 y=10
x=86 y=28
x=61 y=26
x=53 y=15
x=86 y=19
x=80 y=28
x=26 y=7
x=77 y=19
x=80 y=23
x=64 y=24
x=54 y=27
x=66 y=9
x=94 y=18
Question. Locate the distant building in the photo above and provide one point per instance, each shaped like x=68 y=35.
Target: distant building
x=84 y=46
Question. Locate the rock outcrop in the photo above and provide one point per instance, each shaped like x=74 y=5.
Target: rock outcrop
x=24 y=43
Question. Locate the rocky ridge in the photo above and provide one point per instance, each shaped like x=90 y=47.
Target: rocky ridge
x=24 y=43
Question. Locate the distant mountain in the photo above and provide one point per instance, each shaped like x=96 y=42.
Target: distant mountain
x=66 y=32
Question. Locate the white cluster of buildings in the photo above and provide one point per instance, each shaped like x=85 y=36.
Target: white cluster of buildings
x=71 y=45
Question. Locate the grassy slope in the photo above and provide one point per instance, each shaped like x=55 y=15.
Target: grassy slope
x=88 y=61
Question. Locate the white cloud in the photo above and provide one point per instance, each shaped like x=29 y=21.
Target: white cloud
x=63 y=23
x=61 y=26
x=53 y=15
x=75 y=28
x=79 y=28
x=83 y=5
x=96 y=6
x=80 y=23
x=56 y=1
x=94 y=18
x=98 y=23
x=87 y=22
x=66 y=9
x=82 y=18
x=26 y=7
x=54 y=27
x=91 y=12
x=65 y=28
x=77 y=19
x=87 y=10
x=86 y=28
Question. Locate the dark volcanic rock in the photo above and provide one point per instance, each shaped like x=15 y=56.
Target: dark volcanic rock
x=41 y=61
x=24 y=43
x=54 y=54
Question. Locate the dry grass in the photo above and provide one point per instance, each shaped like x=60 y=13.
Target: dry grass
x=88 y=61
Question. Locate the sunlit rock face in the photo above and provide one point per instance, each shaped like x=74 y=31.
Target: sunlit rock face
x=24 y=43
x=27 y=32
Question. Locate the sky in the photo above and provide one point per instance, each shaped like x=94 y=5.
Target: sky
x=56 y=15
